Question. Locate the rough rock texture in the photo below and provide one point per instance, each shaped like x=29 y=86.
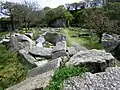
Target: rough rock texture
x=54 y=37
x=110 y=42
x=39 y=44
x=59 y=54
x=42 y=52
x=108 y=80
x=59 y=50
x=19 y=41
x=41 y=63
x=40 y=39
x=38 y=82
x=28 y=58
x=51 y=65
x=74 y=49
x=97 y=60
x=60 y=46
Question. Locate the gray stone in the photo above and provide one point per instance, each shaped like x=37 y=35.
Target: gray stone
x=59 y=54
x=51 y=65
x=110 y=42
x=28 y=58
x=29 y=34
x=42 y=52
x=54 y=37
x=108 y=80
x=74 y=49
x=60 y=46
x=4 y=41
x=41 y=63
x=38 y=82
x=19 y=41
x=98 y=60
x=40 y=39
x=39 y=44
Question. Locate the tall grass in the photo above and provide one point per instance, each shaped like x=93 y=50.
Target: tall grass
x=12 y=71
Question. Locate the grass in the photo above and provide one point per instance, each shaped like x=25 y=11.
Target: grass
x=62 y=74
x=12 y=71
x=88 y=42
x=3 y=33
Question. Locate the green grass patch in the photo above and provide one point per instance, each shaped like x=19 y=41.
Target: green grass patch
x=90 y=42
x=12 y=71
x=3 y=33
x=62 y=74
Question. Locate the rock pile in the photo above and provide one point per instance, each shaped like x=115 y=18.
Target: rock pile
x=46 y=60
x=108 y=80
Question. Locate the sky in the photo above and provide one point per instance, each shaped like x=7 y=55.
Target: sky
x=50 y=3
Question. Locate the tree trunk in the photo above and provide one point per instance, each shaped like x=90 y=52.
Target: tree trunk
x=12 y=22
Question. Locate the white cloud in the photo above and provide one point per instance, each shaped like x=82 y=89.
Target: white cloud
x=50 y=3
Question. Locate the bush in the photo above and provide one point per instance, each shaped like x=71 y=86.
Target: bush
x=12 y=71
x=63 y=73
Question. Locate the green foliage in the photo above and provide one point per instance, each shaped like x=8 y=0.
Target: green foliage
x=57 y=13
x=64 y=73
x=12 y=71
x=90 y=42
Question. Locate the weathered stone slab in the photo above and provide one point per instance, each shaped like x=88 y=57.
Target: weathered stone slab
x=38 y=82
x=108 y=80
x=51 y=65
x=43 y=52
x=19 y=41
x=98 y=60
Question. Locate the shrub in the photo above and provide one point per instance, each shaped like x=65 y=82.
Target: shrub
x=12 y=71
x=63 y=73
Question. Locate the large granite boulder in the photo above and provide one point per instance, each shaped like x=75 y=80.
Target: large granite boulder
x=59 y=50
x=59 y=54
x=19 y=41
x=40 y=39
x=108 y=80
x=42 y=52
x=28 y=59
x=110 y=42
x=54 y=37
x=60 y=46
x=38 y=82
x=74 y=49
x=50 y=65
x=96 y=60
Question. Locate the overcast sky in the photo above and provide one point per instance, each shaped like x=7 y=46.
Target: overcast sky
x=50 y=3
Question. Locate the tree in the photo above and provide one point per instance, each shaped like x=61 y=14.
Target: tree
x=59 y=13
x=75 y=6
x=68 y=6
x=99 y=23
x=8 y=9
x=24 y=13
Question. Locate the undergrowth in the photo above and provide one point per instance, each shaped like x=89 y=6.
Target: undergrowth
x=62 y=74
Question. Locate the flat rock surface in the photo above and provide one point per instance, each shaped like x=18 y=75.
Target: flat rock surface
x=38 y=82
x=108 y=80
x=43 y=52
x=51 y=65
x=97 y=56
